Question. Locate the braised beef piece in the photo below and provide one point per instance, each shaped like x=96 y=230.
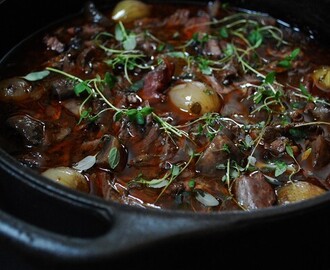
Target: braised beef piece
x=156 y=82
x=220 y=149
x=62 y=88
x=31 y=130
x=253 y=191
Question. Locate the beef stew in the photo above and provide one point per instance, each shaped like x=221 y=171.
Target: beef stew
x=204 y=108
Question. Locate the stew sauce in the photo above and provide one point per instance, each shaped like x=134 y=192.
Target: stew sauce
x=198 y=108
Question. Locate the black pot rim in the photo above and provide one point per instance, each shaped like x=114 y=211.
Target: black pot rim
x=163 y=223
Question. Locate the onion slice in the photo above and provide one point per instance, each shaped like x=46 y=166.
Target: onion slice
x=206 y=198
x=85 y=164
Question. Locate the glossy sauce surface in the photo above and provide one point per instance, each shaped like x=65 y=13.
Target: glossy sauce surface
x=199 y=108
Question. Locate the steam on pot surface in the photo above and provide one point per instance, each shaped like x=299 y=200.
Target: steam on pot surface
x=201 y=108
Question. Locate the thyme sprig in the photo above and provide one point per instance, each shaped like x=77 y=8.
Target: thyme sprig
x=129 y=57
x=94 y=88
x=269 y=94
x=302 y=92
x=175 y=171
x=210 y=123
x=168 y=128
x=153 y=183
x=241 y=25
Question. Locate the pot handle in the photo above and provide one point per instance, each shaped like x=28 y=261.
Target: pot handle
x=123 y=231
x=50 y=222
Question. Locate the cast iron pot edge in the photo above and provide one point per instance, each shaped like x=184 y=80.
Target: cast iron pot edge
x=160 y=225
x=129 y=228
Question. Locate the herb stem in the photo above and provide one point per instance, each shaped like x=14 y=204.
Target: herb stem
x=173 y=177
x=168 y=128
x=65 y=74
x=312 y=124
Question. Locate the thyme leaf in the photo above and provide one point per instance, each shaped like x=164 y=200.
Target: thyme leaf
x=36 y=76
x=287 y=61
x=113 y=157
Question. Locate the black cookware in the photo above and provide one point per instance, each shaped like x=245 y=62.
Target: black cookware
x=43 y=224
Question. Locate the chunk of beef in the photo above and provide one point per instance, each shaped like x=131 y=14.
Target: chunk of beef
x=32 y=130
x=320 y=152
x=62 y=88
x=253 y=191
x=33 y=159
x=196 y=25
x=54 y=44
x=278 y=145
x=156 y=82
x=145 y=149
x=180 y=17
x=218 y=152
x=321 y=112
x=212 y=48
x=112 y=155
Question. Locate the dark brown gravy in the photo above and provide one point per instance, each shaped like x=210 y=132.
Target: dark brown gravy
x=236 y=157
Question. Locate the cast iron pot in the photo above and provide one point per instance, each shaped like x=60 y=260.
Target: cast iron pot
x=43 y=222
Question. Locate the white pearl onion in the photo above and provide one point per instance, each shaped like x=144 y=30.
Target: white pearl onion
x=321 y=78
x=129 y=10
x=68 y=177
x=195 y=98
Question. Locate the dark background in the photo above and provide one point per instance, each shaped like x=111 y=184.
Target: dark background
x=21 y=18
